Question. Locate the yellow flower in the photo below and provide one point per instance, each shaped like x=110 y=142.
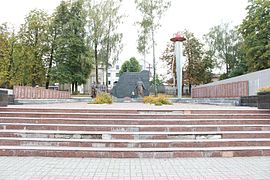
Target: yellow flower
x=264 y=89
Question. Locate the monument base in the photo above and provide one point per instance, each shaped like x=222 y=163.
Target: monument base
x=3 y=98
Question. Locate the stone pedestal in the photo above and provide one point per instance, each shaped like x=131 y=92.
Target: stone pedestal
x=249 y=101
x=264 y=100
x=3 y=98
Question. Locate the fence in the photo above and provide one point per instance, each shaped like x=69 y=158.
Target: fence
x=228 y=90
x=26 y=92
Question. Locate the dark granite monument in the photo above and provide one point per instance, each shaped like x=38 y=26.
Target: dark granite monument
x=3 y=98
x=132 y=84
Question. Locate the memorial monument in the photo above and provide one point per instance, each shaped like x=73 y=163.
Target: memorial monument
x=132 y=84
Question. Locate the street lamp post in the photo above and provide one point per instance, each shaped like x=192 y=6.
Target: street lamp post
x=178 y=39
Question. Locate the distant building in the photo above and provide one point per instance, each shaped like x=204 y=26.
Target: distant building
x=113 y=75
x=215 y=77
x=86 y=88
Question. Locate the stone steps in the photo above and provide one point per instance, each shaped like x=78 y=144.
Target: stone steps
x=134 y=152
x=146 y=143
x=134 y=128
x=31 y=110
x=136 y=111
x=132 y=116
x=114 y=121
x=134 y=133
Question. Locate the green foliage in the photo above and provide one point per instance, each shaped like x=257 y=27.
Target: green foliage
x=71 y=55
x=255 y=30
x=103 y=98
x=240 y=68
x=132 y=65
x=158 y=81
x=157 y=100
x=143 y=38
x=151 y=11
x=104 y=40
x=31 y=48
x=199 y=64
x=47 y=47
x=4 y=54
x=112 y=40
x=168 y=57
x=194 y=53
x=224 y=47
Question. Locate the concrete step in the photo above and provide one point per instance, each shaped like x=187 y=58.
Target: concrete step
x=133 y=135
x=164 y=143
x=49 y=110
x=135 y=128
x=148 y=121
x=49 y=151
x=133 y=116
x=135 y=111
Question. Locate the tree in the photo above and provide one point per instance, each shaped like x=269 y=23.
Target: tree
x=255 y=30
x=159 y=81
x=104 y=39
x=223 y=46
x=207 y=65
x=143 y=39
x=52 y=36
x=3 y=54
x=198 y=66
x=132 y=65
x=168 y=56
x=32 y=39
x=152 y=11
x=96 y=30
x=73 y=64
x=112 y=40
x=193 y=65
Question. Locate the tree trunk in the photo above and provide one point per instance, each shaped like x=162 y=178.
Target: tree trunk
x=48 y=78
x=227 y=70
x=189 y=89
x=107 y=63
x=96 y=62
x=72 y=88
x=76 y=87
x=154 y=63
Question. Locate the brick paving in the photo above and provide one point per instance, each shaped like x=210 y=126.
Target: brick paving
x=45 y=168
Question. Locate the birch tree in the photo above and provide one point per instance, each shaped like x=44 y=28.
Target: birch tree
x=151 y=11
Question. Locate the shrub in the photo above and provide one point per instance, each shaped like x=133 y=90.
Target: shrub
x=158 y=101
x=148 y=99
x=102 y=98
x=264 y=89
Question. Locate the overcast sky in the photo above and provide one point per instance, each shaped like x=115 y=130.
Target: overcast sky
x=195 y=15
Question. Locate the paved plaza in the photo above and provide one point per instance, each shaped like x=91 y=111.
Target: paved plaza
x=134 y=105
x=46 y=168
